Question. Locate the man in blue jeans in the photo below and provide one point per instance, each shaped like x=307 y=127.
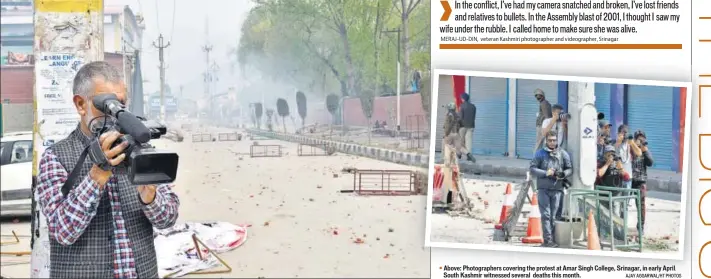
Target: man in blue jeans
x=551 y=166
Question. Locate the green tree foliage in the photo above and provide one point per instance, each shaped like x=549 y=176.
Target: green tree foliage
x=332 y=101
x=258 y=111
x=335 y=45
x=283 y=111
x=301 y=106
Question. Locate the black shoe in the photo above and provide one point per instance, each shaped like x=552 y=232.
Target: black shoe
x=470 y=157
x=553 y=245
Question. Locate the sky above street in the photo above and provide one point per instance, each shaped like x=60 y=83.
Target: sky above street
x=182 y=23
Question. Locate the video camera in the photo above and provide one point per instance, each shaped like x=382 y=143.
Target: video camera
x=144 y=164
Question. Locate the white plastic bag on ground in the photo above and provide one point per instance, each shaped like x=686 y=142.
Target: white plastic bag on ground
x=176 y=250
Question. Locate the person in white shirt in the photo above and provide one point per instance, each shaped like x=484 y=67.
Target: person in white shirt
x=558 y=123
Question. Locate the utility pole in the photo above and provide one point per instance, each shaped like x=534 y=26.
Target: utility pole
x=398 y=31
x=57 y=61
x=161 y=46
x=207 y=77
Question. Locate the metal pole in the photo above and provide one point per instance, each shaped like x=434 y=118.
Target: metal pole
x=161 y=46
x=399 y=80
x=399 y=77
x=55 y=57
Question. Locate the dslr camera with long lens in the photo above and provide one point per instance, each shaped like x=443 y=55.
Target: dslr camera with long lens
x=144 y=164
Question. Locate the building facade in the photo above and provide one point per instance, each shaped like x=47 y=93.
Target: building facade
x=507 y=109
x=122 y=40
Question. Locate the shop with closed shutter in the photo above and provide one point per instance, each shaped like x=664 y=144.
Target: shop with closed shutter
x=602 y=98
x=650 y=108
x=490 y=96
x=527 y=111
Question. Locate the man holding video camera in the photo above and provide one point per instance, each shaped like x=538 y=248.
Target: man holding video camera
x=639 y=174
x=551 y=166
x=626 y=149
x=611 y=173
x=100 y=225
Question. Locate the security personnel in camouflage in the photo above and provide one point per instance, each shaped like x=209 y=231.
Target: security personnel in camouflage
x=451 y=122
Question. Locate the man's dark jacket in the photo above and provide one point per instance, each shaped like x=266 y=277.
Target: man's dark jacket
x=468 y=115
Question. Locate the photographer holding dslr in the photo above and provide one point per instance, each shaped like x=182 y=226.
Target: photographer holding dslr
x=558 y=123
x=626 y=149
x=639 y=174
x=551 y=166
x=100 y=222
x=611 y=173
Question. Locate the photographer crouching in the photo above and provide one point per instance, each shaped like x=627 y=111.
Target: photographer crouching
x=100 y=221
x=611 y=173
x=639 y=174
x=551 y=166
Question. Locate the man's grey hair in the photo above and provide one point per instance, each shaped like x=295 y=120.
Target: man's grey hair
x=84 y=80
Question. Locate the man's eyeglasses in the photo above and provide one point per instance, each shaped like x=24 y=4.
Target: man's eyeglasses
x=551 y=140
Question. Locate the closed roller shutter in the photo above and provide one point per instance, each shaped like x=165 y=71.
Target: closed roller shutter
x=650 y=108
x=490 y=97
x=602 y=98
x=445 y=95
x=526 y=109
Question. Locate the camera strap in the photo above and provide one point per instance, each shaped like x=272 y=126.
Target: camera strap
x=69 y=184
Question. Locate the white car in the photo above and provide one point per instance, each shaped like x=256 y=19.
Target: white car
x=16 y=174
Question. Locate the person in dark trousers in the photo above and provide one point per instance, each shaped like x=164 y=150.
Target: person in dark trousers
x=467 y=115
x=612 y=173
x=102 y=225
x=639 y=174
x=551 y=166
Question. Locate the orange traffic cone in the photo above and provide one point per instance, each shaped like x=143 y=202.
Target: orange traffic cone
x=508 y=205
x=593 y=238
x=437 y=183
x=534 y=233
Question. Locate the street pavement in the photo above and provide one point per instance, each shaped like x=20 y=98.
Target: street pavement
x=300 y=225
x=661 y=232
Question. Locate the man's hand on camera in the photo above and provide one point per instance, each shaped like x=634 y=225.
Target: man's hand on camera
x=114 y=156
x=147 y=193
x=619 y=164
x=556 y=116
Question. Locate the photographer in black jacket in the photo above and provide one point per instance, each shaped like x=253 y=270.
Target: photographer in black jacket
x=639 y=174
x=611 y=173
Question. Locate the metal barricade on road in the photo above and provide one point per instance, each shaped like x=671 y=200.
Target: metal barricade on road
x=202 y=137
x=265 y=151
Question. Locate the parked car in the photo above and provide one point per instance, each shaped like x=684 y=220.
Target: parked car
x=16 y=178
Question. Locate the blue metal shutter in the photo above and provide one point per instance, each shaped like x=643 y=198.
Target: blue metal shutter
x=489 y=95
x=649 y=108
x=526 y=109
x=602 y=98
